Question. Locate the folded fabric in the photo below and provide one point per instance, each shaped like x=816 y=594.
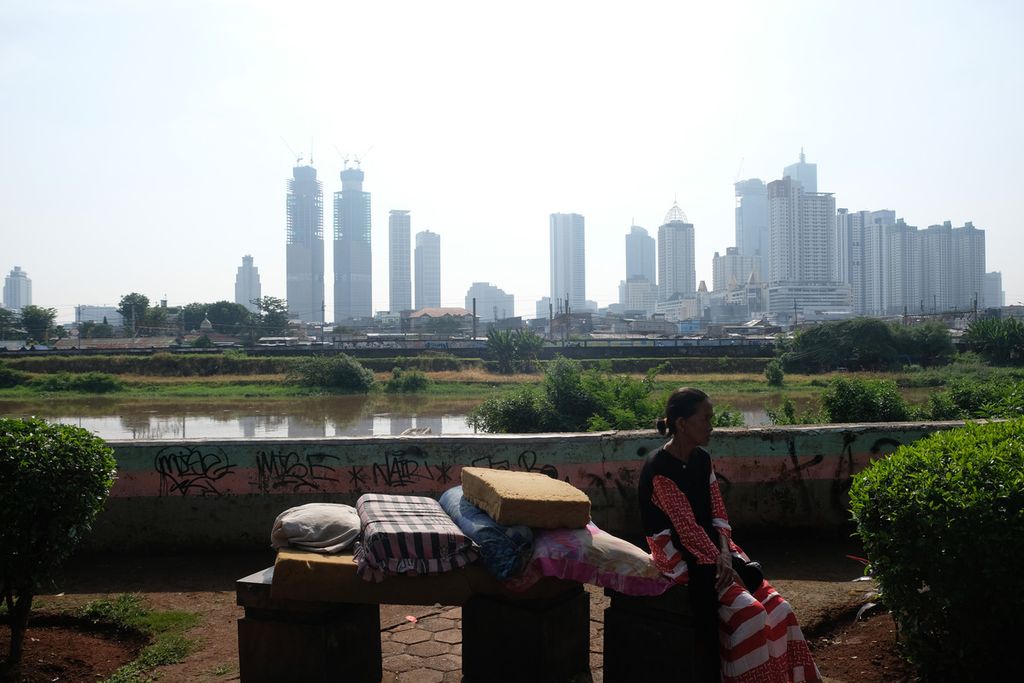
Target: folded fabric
x=318 y=527
x=590 y=555
x=528 y=498
x=408 y=535
x=504 y=550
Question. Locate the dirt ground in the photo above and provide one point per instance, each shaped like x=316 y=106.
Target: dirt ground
x=815 y=575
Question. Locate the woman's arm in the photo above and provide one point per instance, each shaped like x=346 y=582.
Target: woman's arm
x=719 y=517
x=669 y=499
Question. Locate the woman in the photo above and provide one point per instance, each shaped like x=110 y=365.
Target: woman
x=755 y=633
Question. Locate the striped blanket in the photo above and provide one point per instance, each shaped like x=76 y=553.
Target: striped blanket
x=408 y=535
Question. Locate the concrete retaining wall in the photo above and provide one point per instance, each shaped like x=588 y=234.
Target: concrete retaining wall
x=206 y=493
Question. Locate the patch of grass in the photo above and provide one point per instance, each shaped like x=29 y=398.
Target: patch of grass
x=168 y=646
x=222 y=669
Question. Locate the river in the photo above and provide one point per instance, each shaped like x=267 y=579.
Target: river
x=374 y=415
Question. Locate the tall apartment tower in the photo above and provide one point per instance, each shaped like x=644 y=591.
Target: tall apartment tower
x=353 y=270
x=428 y=270
x=905 y=270
x=305 y=250
x=677 y=271
x=640 y=255
x=247 y=284
x=994 y=297
x=804 y=173
x=969 y=276
x=399 y=261
x=568 y=260
x=17 y=290
x=802 y=264
x=752 y=235
x=863 y=250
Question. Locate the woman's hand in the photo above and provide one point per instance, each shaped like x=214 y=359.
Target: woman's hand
x=724 y=573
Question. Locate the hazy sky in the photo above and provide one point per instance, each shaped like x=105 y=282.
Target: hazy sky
x=142 y=142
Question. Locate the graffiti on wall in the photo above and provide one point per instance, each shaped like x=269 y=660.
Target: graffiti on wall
x=191 y=470
x=288 y=470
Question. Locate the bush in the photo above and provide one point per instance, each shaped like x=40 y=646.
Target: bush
x=774 y=373
x=89 y=382
x=406 y=381
x=340 y=373
x=942 y=521
x=867 y=344
x=999 y=341
x=54 y=480
x=859 y=400
x=572 y=400
x=11 y=378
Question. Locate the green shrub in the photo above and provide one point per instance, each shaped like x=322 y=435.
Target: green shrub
x=860 y=400
x=11 y=378
x=339 y=373
x=774 y=373
x=89 y=382
x=999 y=341
x=406 y=381
x=54 y=480
x=572 y=400
x=942 y=521
x=726 y=416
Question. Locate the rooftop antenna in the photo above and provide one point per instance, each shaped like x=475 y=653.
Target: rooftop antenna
x=310 y=151
x=298 y=157
x=739 y=171
x=802 y=158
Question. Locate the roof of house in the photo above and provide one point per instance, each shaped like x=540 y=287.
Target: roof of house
x=440 y=312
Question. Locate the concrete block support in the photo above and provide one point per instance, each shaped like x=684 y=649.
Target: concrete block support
x=650 y=638
x=281 y=641
x=547 y=641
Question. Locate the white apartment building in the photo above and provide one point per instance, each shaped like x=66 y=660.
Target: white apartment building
x=428 y=270
x=733 y=268
x=247 y=284
x=568 y=260
x=399 y=261
x=17 y=290
x=492 y=303
x=677 y=272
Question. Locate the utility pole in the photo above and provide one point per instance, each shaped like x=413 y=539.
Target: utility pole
x=474 y=318
x=551 y=319
x=568 y=318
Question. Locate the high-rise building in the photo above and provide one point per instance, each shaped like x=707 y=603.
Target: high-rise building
x=802 y=260
x=353 y=269
x=638 y=294
x=17 y=290
x=752 y=235
x=247 y=284
x=640 y=255
x=568 y=261
x=969 y=275
x=995 y=297
x=863 y=250
x=677 y=270
x=492 y=303
x=804 y=173
x=733 y=269
x=399 y=261
x=428 y=270
x=905 y=270
x=305 y=246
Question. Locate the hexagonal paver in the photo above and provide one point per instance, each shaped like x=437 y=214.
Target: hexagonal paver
x=436 y=624
x=424 y=676
x=392 y=647
x=411 y=636
x=402 y=663
x=430 y=648
x=457 y=649
x=445 y=663
x=450 y=636
x=453 y=613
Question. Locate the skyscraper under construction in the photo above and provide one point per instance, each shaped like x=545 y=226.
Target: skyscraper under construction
x=305 y=251
x=353 y=292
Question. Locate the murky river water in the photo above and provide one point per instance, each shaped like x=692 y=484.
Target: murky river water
x=299 y=417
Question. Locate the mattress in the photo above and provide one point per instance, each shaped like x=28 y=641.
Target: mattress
x=526 y=498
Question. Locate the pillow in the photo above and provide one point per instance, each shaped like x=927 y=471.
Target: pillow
x=528 y=498
x=318 y=527
x=504 y=550
x=408 y=535
x=590 y=555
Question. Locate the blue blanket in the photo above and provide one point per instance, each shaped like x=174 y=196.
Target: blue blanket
x=504 y=550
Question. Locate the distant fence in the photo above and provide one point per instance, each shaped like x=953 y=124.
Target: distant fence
x=226 y=493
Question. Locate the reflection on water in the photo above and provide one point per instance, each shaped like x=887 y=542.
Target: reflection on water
x=298 y=417
x=376 y=415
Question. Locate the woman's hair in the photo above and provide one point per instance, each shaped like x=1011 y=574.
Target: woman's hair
x=682 y=403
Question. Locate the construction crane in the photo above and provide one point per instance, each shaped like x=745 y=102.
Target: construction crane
x=298 y=157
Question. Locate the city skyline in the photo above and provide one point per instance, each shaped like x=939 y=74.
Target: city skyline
x=87 y=205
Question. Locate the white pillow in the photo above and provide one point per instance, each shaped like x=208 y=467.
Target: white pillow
x=318 y=527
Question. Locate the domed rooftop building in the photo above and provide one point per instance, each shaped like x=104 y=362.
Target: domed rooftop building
x=677 y=272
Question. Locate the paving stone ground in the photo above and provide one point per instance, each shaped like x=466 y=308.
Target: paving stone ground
x=816 y=578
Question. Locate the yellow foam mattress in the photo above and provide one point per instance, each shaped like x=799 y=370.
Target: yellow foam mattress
x=528 y=498
x=314 y=577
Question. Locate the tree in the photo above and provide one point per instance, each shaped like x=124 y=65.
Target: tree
x=54 y=480
x=8 y=324
x=226 y=317
x=513 y=349
x=153 y=322
x=37 y=322
x=998 y=341
x=132 y=308
x=271 y=318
